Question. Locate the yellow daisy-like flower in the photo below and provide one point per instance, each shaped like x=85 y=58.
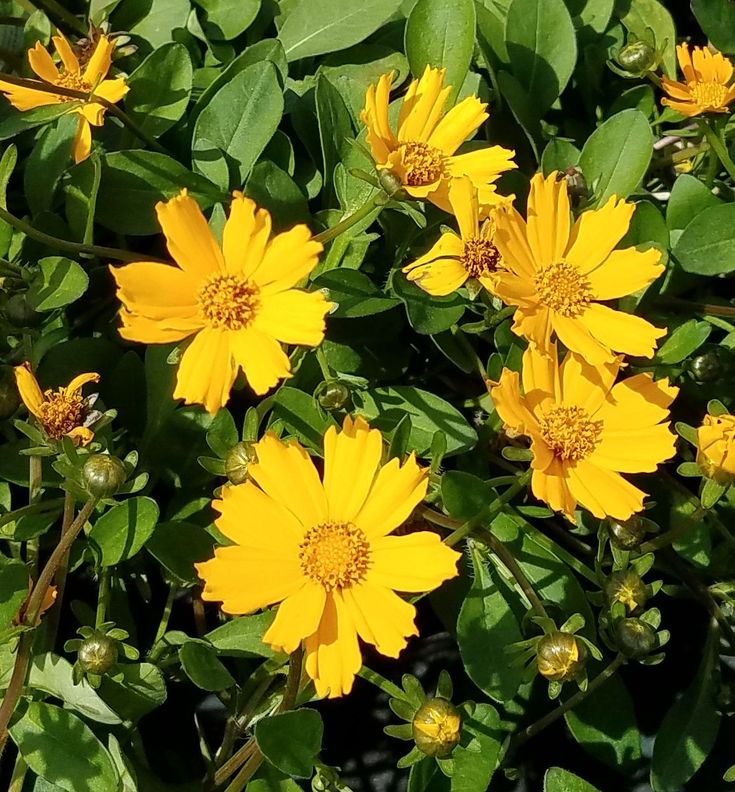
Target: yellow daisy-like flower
x=716 y=447
x=91 y=78
x=707 y=88
x=62 y=412
x=559 y=273
x=423 y=152
x=322 y=550
x=237 y=300
x=454 y=259
x=586 y=430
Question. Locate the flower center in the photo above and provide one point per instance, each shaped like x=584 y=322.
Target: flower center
x=563 y=288
x=75 y=82
x=423 y=163
x=228 y=301
x=570 y=432
x=709 y=93
x=61 y=412
x=337 y=555
x=480 y=257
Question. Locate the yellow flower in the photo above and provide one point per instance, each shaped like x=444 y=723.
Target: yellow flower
x=71 y=75
x=322 y=550
x=422 y=154
x=716 y=447
x=586 y=430
x=62 y=412
x=455 y=258
x=707 y=88
x=559 y=273
x=237 y=300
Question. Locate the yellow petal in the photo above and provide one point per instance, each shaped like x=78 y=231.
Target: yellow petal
x=511 y=406
x=463 y=199
x=351 y=459
x=100 y=62
x=245 y=235
x=440 y=271
x=298 y=617
x=548 y=218
x=638 y=450
x=575 y=334
x=66 y=53
x=637 y=402
x=112 y=90
x=584 y=385
x=625 y=272
x=512 y=241
x=157 y=291
x=157 y=331
x=380 y=137
x=460 y=123
x=42 y=63
x=381 y=617
x=620 y=331
x=541 y=372
x=82 y=141
x=604 y=492
x=261 y=358
x=395 y=493
x=685 y=62
x=80 y=381
x=81 y=436
x=289 y=258
x=483 y=166
x=422 y=106
x=415 y=562
x=206 y=371
x=28 y=388
x=188 y=237
x=24 y=99
x=287 y=474
x=293 y=317
x=535 y=324
x=552 y=487
x=513 y=290
x=93 y=112
x=596 y=233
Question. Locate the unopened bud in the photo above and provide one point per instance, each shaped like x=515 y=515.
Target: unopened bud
x=559 y=656
x=634 y=637
x=637 y=58
x=629 y=534
x=391 y=183
x=97 y=654
x=333 y=395
x=103 y=475
x=437 y=727
x=237 y=461
x=628 y=588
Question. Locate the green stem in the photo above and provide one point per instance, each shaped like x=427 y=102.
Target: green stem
x=35 y=481
x=697 y=307
x=378 y=201
x=718 y=147
x=103 y=598
x=61 y=17
x=52 y=621
x=163 y=623
x=570 y=703
x=374 y=678
x=19 y=774
x=323 y=365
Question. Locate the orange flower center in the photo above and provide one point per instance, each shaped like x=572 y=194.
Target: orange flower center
x=73 y=81
x=563 y=288
x=424 y=164
x=61 y=412
x=228 y=301
x=570 y=432
x=708 y=93
x=336 y=555
x=480 y=257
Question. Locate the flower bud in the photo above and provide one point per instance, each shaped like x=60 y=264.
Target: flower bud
x=9 y=396
x=626 y=587
x=629 y=534
x=391 y=183
x=559 y=656
x=637 y=58
x=436 y=727
x=634 y=637
x=103 y=475
x=97 y=654
x=706 y=367
x=333 y=395
x=19 y=312
x=237 y=461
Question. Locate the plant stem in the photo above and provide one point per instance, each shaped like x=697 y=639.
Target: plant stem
x=163 y=623
x=323 y=365
x=35 y=477
x=719 y=148
x=58 y=14
x=381 y=682
x=52 y=621
x=570 y=703
x=697 y=307
x=103 y=598
x=378 y=201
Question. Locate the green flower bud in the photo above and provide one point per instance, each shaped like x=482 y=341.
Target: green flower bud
x=333 y=395
x=638 y=57
x=707 y=366
x=436 y=727
x=391 y=183
x=19 y=312
x=629 y=534
x=237 y=461
x=634 y=637
x=9 y=396
x=97 y=654
x=628 y=588
x=559 y=656
x=103 y=475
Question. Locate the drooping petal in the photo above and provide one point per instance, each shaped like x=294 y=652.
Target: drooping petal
x=82 y=145
x=604 y=492
x=511 y=406
x=80 y=381
x=42 y=63
x=81 y=436
x=188 y=237
x=440 y=271
x=621 y=331
x=514 y=290
x=157 y=291
x=381 y=617
x=24 y=99
x=596 y=233
x=66 y=53
x=289 y=258
x=93 y=112
x=297 y=618
x=287 y=474
x=551 y=486
x=293 y=316
x=206 y=371
x=625 y=272
x=245 y=236
x=29 y=389
x=460 y=123
x=413 y=563
x=548 y=219
x=261 y=358
x=534 y=323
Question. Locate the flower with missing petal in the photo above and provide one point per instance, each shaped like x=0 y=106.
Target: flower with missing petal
x=238 y=301
x=716 y=447
x=63 y=412
x=558 y=274
x=87 y=77
x=707 y=87
x=321 y=548
x=586 y=430
x=454 y=259
x=422 y=154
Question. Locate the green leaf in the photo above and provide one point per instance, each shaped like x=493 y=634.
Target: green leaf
x=688 y=198
x=689 y=729
x=605 y=725
x=178 y=545
x=642 y=16
x=239 y=121
x=706 y=244
x=242 y=636
x=134 y=181
x=616 y=156
x=475 y=763
x=542 y=48
x=50 y=158
x=227 y=19
x=313 y=27
x=335 y=129
x=269 y=779
x=683 y=341
x=385 y=407
x=291 y=741
x=559 y=155
x=591 y=17
x=465 y=495
x=354 y=293
x=441 y=35
x=53 y=675
x=717 y=20
x=558 y=780
x=63 y=750
x=14 y=582
x=136 y=690
x=153 y=20
x=124 y=529
x=486 y=626
x=59 y=282
x=427 y=314
x=301 y=416
x=160 y=89
x=203 y=668
x=273 y=189
x=13 y=122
